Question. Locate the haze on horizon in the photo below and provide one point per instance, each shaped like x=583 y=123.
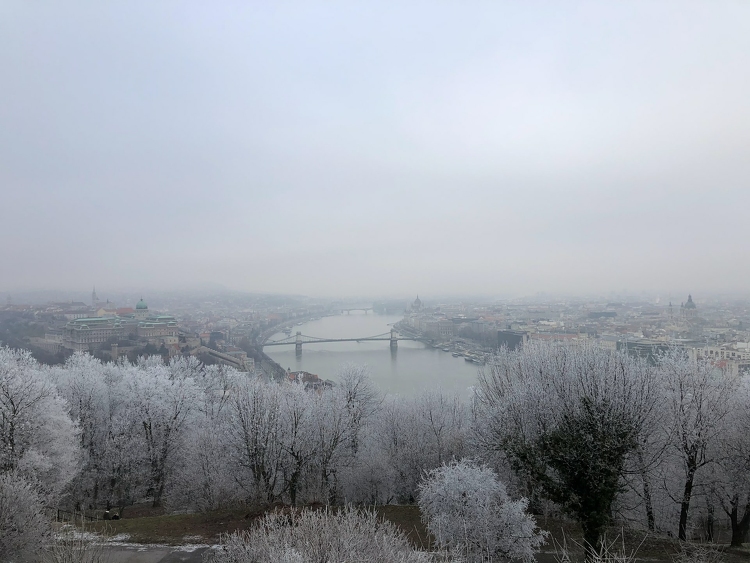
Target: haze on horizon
x=375 y=148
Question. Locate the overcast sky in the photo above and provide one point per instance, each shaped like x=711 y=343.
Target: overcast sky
x=379 y=148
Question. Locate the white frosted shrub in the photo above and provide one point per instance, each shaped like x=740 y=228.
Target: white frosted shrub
x=75 y=545
x=312 y=536
x=467 y=510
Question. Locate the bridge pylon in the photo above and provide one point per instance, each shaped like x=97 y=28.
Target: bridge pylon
x=394 y=339
x=298 y=344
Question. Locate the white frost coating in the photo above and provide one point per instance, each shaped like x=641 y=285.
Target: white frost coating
x=23 y=526
x=37 y=438
x=468 y=511
x=313 y=536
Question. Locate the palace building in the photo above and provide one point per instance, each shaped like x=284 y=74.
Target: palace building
x=92 y=333
x=86 y=334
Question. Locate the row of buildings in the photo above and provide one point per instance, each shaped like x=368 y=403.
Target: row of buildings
x=117 y=331
x=93 y=329
x=718 y=333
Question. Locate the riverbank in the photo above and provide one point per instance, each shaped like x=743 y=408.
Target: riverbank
x=458 y=347
x=271 y=368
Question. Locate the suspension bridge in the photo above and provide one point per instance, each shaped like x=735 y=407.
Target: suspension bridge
x=299 y=339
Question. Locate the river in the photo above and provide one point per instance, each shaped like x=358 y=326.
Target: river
x=410 y=370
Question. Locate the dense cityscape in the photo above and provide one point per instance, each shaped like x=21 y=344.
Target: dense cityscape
x=232 y=328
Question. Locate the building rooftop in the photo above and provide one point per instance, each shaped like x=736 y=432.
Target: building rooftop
x=92 y=320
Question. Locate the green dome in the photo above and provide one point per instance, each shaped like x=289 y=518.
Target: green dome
x=141 y=304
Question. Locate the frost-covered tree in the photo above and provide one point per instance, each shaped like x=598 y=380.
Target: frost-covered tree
x=39 y=453
x=444 y=422
x=297 y=438
x=37 y=437
x=415 y=435
x=86 y=384
x=313 y=536
x=644 y=469
x=205 y=477
x=731 y=475
x=370 y=477
x=187 y=367
x=468 y=511
x=115 y=472
x=333 y=436
x=698 y=396
x=254 y=434
x=360 y=399
x=161 y=401
x=23 y=525
x=568 y=418
x=288 y=442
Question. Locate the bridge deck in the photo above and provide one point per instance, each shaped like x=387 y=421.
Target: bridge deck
x=286 y=342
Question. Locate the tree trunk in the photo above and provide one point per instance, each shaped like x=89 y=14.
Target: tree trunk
x=158 y=495
x=647 y=495
x=685 y=505
x=330 y=489
x=592 y=540
x=709 y=521
x=740 y=527
x=293 y=489
x=157 y=480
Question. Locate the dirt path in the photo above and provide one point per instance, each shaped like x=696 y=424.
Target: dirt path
x=155 y=554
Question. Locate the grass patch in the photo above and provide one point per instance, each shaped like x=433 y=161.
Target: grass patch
x=209 y=526
x=171 y=529
x=409 y=520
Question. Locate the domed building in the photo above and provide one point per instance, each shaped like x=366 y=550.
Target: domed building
x=141 y=310
x=417 y=305
x=688 y=309
x=156 y=329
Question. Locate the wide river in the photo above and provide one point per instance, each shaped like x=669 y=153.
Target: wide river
x=410 y=370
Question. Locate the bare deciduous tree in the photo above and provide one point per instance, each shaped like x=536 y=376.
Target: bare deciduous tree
x=698 y=395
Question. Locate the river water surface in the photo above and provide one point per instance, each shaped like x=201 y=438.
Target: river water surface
x=411 y=369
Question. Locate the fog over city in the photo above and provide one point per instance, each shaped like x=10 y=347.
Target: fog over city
x=374 y=281
x=355 y=148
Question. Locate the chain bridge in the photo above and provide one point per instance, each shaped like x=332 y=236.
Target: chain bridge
x=299 y=339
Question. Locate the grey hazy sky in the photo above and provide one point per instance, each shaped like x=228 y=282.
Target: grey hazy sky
x=375 y=148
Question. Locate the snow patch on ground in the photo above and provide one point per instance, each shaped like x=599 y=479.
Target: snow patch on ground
x=187 y=548
x=192 y=543
x=190 y=539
